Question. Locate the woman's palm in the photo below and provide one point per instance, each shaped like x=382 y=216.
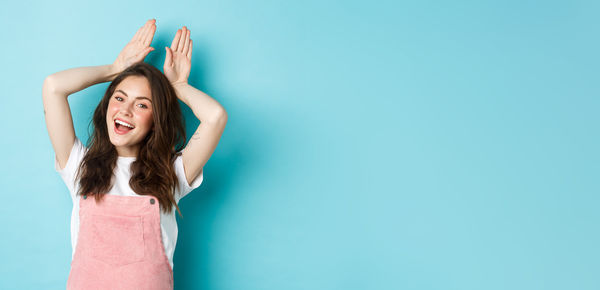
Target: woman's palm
x=178 y=60
x=139 y=46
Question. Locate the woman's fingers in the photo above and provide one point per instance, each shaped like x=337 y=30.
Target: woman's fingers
x=182 y=39
x=141 y=34
x=136 y=37
x=189 y=53
x=169 y=57
x=186 y=44
x=175 y=40
x=149 y=34
x=182 y=42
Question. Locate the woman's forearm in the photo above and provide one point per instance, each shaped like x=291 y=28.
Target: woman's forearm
x=76 y=79
x=205 y=108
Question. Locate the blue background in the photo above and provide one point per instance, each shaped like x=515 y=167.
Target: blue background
x=370 y=145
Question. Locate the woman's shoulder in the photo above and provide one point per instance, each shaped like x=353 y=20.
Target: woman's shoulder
x=184 y=186
x=68 y=173
x=77 y=152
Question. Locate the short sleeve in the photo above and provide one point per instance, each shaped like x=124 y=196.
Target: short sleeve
x=68 y=173
x=184 y=187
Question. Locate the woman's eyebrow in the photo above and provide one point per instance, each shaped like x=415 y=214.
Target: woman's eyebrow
x=140 y=97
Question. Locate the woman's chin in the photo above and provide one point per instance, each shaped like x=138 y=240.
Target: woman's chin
x=117 y=141
x=123 y=142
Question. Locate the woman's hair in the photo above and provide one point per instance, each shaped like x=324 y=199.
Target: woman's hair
x=152 y=172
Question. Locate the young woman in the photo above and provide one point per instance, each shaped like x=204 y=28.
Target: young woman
x=127 y=182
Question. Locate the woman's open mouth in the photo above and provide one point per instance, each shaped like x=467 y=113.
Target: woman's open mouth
x=122 y=128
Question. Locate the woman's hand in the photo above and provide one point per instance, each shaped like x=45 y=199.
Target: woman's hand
x=179 y=58
x=137 y=49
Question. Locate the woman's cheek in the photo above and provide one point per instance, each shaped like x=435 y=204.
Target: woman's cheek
x=147 y=118
x=112 y=107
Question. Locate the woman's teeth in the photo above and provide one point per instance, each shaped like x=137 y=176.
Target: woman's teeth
x=124 y=124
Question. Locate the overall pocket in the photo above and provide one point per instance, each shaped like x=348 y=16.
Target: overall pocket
x=117 y=240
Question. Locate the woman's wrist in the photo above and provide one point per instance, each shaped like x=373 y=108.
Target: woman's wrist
x=179 y=84
x=111 y=72
x=179 y=89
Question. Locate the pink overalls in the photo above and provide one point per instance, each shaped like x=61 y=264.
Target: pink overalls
x=120 y=245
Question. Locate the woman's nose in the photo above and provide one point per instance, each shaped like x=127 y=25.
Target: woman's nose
x=126 y=109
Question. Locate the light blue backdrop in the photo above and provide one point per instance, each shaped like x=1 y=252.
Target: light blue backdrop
x=370 y=145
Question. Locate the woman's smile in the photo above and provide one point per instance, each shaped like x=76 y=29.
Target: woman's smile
x=122 y=127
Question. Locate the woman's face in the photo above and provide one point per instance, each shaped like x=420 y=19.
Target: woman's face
x=131 y=103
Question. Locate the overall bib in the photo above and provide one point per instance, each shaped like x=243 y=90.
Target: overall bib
x=120 y=245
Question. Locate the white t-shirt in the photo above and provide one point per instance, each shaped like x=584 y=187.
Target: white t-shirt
x=168 y=223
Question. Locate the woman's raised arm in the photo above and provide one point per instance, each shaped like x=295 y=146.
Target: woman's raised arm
x=58 y=86
x=211 y=114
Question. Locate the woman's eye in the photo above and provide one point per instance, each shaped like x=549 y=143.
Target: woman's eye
x=143 y=106
x=118 y=98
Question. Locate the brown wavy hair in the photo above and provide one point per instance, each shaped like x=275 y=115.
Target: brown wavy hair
x=152 y=173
